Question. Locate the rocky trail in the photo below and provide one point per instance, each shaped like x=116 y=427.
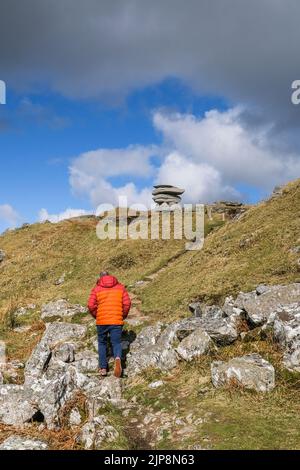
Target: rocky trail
x=61 y=389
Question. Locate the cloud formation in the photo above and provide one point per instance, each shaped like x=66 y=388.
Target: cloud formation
x=211 y=157
x=218 y=152
x=244 y=51
x=91 y=174
x=9 y=217
x=67 y=214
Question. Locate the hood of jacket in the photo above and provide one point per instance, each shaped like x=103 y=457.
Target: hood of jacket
x=107 y=281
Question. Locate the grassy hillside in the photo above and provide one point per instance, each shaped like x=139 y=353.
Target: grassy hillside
x=39 y=254
x=240 y=255
x=237 y=255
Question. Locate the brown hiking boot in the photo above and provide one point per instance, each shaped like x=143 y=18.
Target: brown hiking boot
x=118 y=368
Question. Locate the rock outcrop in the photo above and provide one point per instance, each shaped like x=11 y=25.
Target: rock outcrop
x=65 y=360
x=285 y=322
x=194 y=345
x=55 y=372
x=250 y=371
x=95 y=432
x=260 y=303
x=228 y=209
x=60 y=309
x=166 y=196
x=22 y=443
x=163 y=346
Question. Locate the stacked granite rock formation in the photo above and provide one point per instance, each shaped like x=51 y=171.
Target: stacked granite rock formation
x=166 y=196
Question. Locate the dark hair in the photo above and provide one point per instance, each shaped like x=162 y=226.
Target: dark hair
x=104 y=273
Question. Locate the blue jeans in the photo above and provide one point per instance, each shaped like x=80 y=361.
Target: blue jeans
x=115 y=333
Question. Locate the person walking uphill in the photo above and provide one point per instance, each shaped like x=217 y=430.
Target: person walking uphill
x=109 y=304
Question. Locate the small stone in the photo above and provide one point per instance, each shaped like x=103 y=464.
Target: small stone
x=22 y=329
x=134 y=420
x=2 y=354
x=75 y=417
x=20 y=312
x=2 y=255
x=156 y=384
x=60 y=280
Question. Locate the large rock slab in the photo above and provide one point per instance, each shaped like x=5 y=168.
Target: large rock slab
x=259 y=307
x=162 y=346
x=147 y=337
x=286 y=324
x=230 y=310
x=52 y=391
x=86 y=361
x=194 y=345
x=166 y=189
x=166 y=195
x=157 y=356
x=250 y=371
x=57 y=369
x=286 y=328
x=222 y=330
x=155 y=346
x=16 y=405
x=177 y=331
x=160 y=199
x=55 y=334
x=100 y=391
x=60 y=309
x=22 y=443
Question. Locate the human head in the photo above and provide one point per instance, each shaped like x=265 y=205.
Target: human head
x=104 y=273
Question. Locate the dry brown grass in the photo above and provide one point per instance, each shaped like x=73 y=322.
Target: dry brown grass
x=63 y=439
x=225 y=265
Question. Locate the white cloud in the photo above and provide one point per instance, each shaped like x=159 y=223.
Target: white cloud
x=90 y=174
x=67 y=214
x=201 y=181
x=210 y=157
x=9 y=217
x=216 y=153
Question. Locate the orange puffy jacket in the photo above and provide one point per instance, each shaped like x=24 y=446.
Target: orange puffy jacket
x=109 y=302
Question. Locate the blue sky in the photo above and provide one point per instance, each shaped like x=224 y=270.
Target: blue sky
x=105 y=99
x=40 y=140
x=45 y=132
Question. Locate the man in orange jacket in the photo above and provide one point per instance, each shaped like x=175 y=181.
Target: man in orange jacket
x=109 y=304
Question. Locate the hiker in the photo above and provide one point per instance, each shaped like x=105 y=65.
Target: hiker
x=109 y=304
